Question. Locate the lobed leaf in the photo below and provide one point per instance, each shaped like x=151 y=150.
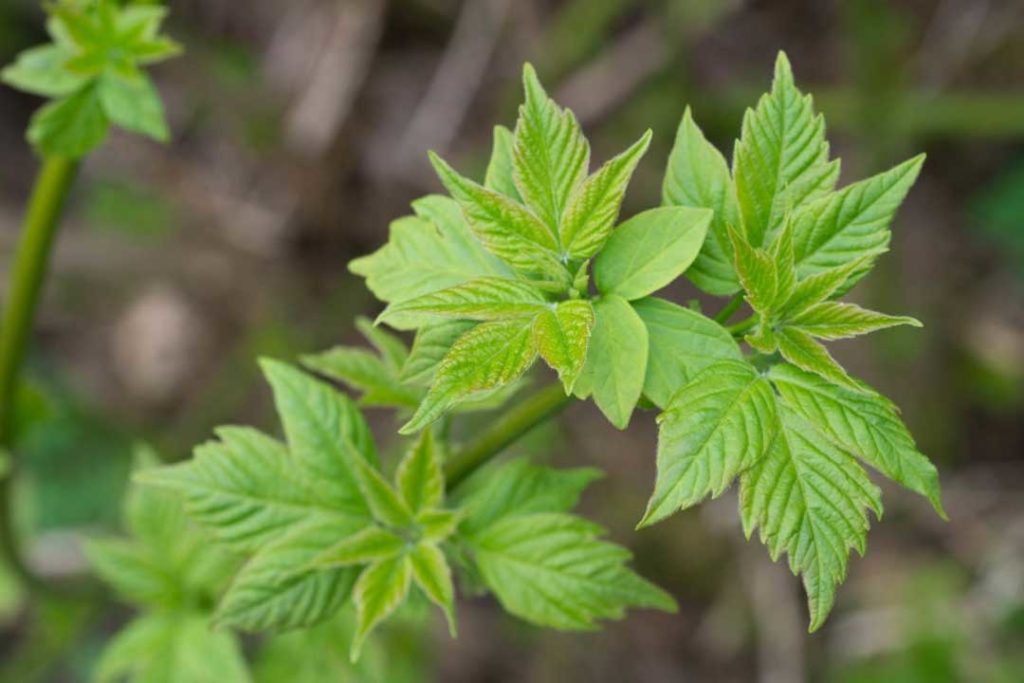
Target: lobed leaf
x=594 y=206
x=862 y=423
x=781 y=152
x=487 y=298
x=718 y=425
x=848 y=224
x=487 y=357
x=552 y=570
x=810 y=500
x=550 y=156
x=562 y=335
x=506 y=228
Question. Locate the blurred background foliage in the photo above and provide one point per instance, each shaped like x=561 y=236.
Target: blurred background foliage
x=301 y=128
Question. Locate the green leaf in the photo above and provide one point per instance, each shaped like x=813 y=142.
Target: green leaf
x=40 y=71
x=134 y=104
x=392 y=349
x=781 y=158
x=552 y=570
x=616 y=360
x=167 y=564
x=506 y=228
x=386 y=504
x=594 y=206
x=381 y=588
x=245 y=488
x=420 y=478
x=488 y=298
x=172 y=648
x=852 y=222
x=518 y=487
x=366 y=373
x=425 y=253
x=758 y=274
x=487 y=357
x=698 y=176
x=810 y=500
x=323 y=427
x=650 y=250
x=276 y=589
x=135 y=572
x=820 y=286
x=862 y=423
x=800 y=349
x=550 y=156
x=718 y=425
x=562 y=336
x=368 y=545
x=436 y=524
x=429 y=348
x=71 y=127
x=434 y=577
x=681 y=343
x=499 y=168
x=834 y=320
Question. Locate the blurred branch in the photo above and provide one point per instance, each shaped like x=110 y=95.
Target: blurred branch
x=443 y=108
x=604 y=83
x=330 y=84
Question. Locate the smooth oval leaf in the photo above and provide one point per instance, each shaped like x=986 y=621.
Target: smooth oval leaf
x=650 y=250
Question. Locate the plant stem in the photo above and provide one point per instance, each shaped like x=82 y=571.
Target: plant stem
x=544 y=404
x=742 y=327
x=727 y=311
x=27 y=271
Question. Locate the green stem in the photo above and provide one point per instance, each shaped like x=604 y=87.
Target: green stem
x=27 y=272
x=545 y=404
x=727 y=311
x=743 y=326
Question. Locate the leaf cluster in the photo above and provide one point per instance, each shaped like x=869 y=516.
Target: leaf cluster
x=320 y=525
x=92 y=71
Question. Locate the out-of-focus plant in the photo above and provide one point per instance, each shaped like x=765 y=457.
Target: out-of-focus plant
x=92 y=72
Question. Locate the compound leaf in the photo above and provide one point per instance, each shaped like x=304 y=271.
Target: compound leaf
x=718 y=425
x=781 y=152
x=519 y=487
x=277 y=589
x=835 y=320
x=594 y=206
x=562 y=336
x=488 y=298
x=430 y=251
x=487 y=357
x=552 y=570
x=381 y=588
x=506 y=228
x=434 y=577
x=810 y=500
x=846 y=225
x=420 y=478
x=550 y=156
x=862 y=423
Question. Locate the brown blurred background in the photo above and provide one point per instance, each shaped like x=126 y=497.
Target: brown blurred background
x=301 y=129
